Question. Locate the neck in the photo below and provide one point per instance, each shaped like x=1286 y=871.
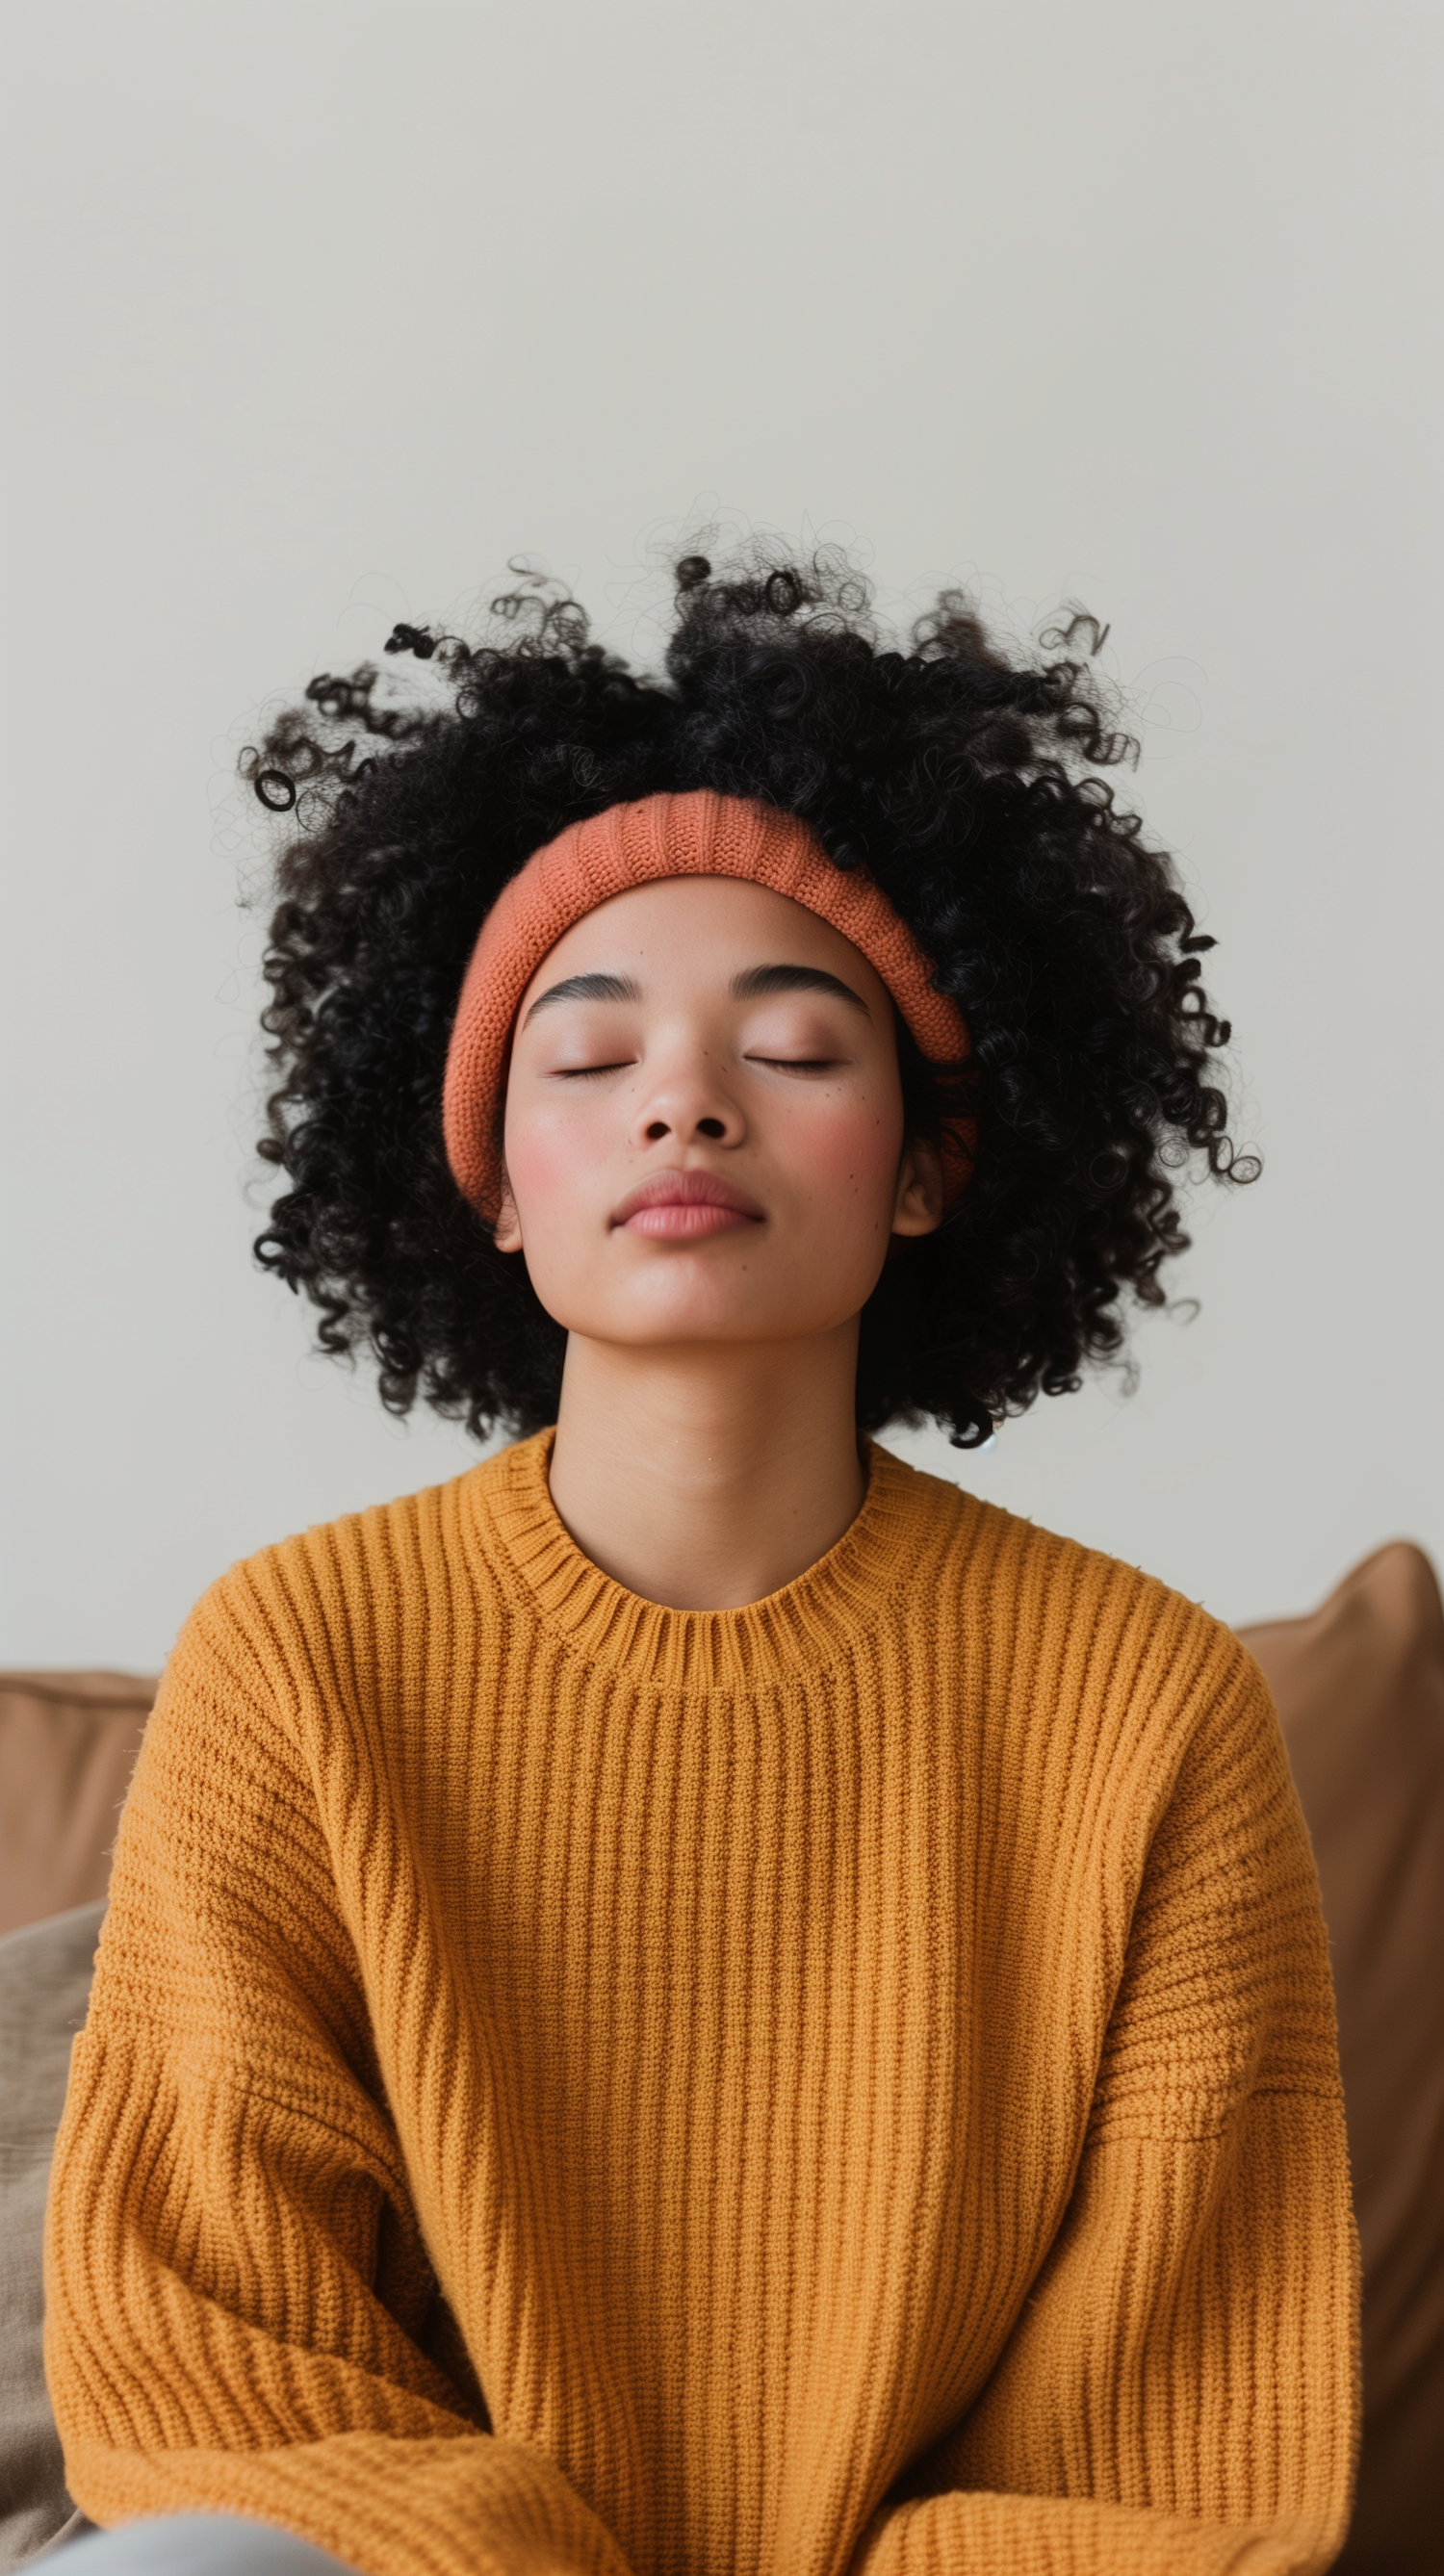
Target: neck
x=706 y=1478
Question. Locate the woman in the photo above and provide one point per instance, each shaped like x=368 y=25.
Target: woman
x=695 y=1998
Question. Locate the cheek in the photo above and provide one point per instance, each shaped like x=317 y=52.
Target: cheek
x=849 y=1153
x=551 y=1157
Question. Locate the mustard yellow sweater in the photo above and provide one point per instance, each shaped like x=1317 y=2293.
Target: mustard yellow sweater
x=847 y=2084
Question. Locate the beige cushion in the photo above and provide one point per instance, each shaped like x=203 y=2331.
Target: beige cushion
x=44 y=1981
x=1360 y=1692
x=68 y=1743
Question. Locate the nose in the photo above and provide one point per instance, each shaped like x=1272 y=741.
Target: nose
x=689 y=1100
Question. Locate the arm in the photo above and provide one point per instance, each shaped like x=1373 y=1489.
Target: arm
x=241 y=2313
x=1178 y=2396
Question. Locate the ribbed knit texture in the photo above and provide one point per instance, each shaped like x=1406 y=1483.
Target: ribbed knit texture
x=851 y=2079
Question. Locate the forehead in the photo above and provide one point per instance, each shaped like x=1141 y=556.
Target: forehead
x=695 y=933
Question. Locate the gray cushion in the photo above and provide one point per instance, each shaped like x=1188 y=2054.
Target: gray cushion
x=45 y=1974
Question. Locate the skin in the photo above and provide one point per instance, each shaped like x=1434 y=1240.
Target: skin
x=706 y=1036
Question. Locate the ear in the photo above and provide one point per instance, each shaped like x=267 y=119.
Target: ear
x=507 y=1234
x=918 y=1208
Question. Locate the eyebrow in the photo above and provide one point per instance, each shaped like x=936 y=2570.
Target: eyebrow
x=758 y=981
x=754 y=984
x=587 y=988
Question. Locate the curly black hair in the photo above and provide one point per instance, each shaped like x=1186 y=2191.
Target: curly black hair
x=967 y=785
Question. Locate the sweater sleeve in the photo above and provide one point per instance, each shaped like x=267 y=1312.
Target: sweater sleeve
x=241 y=2314
x=1179 y=2394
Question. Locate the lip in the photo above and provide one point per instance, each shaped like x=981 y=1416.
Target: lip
x=683 y=1207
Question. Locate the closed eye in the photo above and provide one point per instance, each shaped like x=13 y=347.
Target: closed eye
x=798 y=1063
x=581 y=1072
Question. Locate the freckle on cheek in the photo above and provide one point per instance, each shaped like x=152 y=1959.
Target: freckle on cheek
x=838 y=1164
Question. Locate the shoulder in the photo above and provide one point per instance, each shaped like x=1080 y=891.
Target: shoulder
x=368 y=1577
x=1050 y=1624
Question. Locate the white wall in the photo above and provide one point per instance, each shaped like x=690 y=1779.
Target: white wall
x=318 y=312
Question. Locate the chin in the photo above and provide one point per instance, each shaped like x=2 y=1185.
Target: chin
x=644 y=1323
x=691 y=1323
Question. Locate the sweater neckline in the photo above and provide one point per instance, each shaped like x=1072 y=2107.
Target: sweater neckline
x=811 y=1622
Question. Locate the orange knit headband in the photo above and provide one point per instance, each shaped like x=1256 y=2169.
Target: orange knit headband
x=698 y=835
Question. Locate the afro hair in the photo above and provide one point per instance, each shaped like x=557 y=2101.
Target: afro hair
x=970 y=787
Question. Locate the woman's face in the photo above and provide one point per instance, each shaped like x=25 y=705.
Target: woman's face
x=704 y=1121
